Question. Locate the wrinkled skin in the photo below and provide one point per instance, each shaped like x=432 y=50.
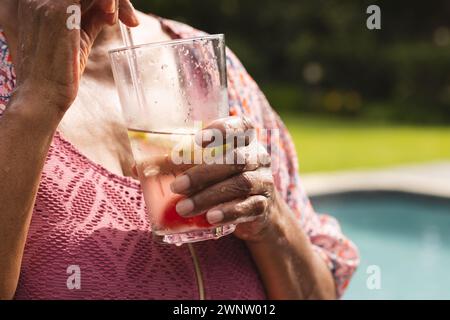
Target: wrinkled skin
x=60 y=72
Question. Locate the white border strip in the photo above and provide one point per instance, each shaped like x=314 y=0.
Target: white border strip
x=428 y=179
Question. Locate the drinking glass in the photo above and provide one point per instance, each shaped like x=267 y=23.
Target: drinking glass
x=168 y=91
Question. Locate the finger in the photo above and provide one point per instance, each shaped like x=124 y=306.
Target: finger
x=239 y=211
x=231 y=129
x=106 y=6
x=96 y=13
x=91 y=25
x=160 y=164
x=116 y=12
x=127 y=13
x=201 y=176
x=237 y=187
x=111 y=11
x=105 y=10
x=86 y=5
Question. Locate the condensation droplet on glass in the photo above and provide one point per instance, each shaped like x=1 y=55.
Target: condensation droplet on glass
x=151 y=171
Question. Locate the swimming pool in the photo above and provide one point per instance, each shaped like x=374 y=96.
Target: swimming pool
x=407 y=236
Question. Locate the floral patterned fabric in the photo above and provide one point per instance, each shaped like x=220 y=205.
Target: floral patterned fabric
x=80 y=205
x=7 y=75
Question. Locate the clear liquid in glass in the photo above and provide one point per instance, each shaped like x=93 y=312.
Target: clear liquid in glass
x=153 y=153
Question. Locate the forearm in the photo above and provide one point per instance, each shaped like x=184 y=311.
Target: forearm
x=288 y=265
x=26 y=131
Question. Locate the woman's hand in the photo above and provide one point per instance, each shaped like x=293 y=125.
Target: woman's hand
x=245 y=194
x=241 y=191
x=51 y=57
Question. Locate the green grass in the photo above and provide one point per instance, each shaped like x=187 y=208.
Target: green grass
x=325 y=144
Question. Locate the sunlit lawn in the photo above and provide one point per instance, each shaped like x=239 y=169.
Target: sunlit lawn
x=327 y=144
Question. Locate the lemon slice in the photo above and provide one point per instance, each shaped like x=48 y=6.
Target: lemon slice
x=137 y=135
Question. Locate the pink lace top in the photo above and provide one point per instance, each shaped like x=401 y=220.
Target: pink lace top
x=88 y=217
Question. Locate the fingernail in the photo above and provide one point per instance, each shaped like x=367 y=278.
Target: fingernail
x=180 y=184
x=184 y=207
x=204 y=136
x=135 y=19
x=214 y=216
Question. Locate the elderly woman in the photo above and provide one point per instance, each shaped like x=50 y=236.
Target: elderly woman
x=69 y=205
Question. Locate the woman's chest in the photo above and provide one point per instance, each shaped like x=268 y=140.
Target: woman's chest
x=94 y=125
x=96 y=223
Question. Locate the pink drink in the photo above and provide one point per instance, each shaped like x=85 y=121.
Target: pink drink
x=152 y=152
x=163 y=88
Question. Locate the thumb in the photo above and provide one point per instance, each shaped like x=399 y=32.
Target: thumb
x=92 y=23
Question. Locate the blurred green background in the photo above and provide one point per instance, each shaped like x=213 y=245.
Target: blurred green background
x=351 y=97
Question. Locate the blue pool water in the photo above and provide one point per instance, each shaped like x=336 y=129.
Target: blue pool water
x=406 y=236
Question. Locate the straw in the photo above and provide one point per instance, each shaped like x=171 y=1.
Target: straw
x=127 y=38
